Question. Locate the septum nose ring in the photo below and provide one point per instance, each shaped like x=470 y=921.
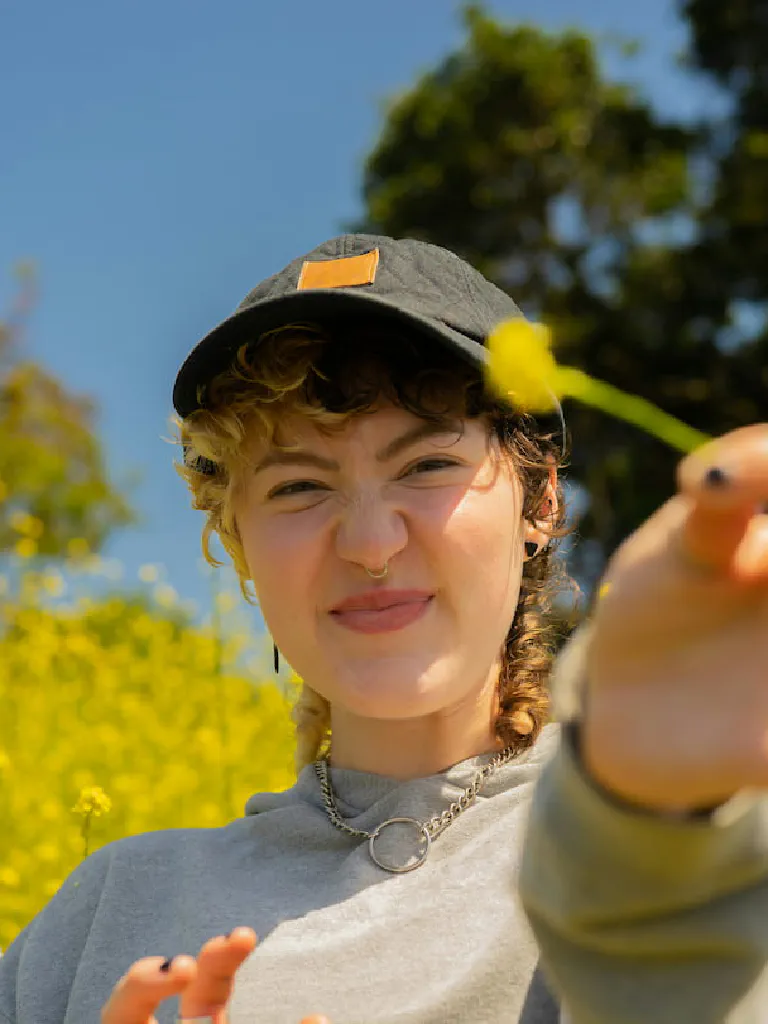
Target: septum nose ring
x=378 y=575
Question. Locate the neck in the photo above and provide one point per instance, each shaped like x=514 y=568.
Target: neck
x=415 y=747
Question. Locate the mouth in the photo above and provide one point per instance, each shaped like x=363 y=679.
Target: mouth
x=382 y=611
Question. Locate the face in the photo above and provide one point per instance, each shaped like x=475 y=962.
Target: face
x=443 y=511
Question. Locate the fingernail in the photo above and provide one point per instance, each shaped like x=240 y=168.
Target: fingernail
x=166 y=965
x=716 y=477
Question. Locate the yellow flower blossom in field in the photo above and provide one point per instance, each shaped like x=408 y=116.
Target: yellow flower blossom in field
x=23 y=522
x=149 y=574
x=109 y=697
x=48 y=853
x=92 y=800
x=25 y=548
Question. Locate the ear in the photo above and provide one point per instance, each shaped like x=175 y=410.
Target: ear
x=538 y=531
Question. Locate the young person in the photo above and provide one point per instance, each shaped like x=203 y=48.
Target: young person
x=397 y=524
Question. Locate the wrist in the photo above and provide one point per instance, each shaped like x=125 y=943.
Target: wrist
x=573 y=732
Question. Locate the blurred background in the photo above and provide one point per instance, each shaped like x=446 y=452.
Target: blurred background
x=606 y=163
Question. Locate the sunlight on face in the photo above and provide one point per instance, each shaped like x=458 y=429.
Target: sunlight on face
x=443 y=511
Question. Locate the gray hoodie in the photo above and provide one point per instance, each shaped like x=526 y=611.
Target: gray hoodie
x=639 y=919
x=448 y=942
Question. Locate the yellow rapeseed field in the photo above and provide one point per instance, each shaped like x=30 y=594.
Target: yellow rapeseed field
x=117 y=716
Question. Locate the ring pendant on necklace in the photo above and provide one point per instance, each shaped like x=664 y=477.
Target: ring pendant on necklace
x=420 y=827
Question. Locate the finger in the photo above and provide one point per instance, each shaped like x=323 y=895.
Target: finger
x=217 y=964
x=727 y=485
x=315 y=1019
x=144 y=986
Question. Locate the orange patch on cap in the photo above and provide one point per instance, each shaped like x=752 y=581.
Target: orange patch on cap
x=342 y=273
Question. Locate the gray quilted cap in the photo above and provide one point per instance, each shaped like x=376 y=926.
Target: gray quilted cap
x=411 y=283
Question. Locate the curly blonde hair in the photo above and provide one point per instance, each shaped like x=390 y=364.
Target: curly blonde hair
x=344 y=369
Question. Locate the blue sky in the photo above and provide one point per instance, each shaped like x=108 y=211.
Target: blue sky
x=160 y=157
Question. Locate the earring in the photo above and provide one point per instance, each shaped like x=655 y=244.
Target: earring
x=531 y=548
x=276 y=655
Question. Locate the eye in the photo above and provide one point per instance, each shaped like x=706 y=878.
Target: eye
x=430 y=465
x=294 y=487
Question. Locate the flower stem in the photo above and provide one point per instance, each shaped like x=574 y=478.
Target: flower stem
x=577 y=384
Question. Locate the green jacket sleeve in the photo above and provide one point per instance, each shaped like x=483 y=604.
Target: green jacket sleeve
x=642 y=918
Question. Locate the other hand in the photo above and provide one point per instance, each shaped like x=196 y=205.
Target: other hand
x=676 y=710
x=204 y=985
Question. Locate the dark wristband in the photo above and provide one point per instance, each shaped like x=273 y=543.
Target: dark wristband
x=572 y=736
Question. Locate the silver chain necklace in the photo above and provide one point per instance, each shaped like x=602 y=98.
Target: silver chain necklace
x=427 y=831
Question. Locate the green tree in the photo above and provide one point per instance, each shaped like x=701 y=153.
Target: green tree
x=574 y=196
x=55 y=496
x=729 y=43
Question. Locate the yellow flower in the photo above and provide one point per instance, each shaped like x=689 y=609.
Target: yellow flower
x=26 y=548
x=522 y=369
x=522 y=365
x=23 y=522
x=47 y=852
x=9 y=877
x=92 y=800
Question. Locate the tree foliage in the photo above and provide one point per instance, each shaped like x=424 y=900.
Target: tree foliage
x=585 y=204
x=54 y=488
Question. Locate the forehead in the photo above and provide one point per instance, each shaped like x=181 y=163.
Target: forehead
x=382 y=423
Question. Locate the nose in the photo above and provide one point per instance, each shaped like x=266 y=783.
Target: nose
x=371 y=531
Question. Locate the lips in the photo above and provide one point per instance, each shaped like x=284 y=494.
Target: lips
x=381 y=611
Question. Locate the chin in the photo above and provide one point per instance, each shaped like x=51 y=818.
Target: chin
x=398 y=686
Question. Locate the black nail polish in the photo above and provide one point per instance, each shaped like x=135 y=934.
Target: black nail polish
x=716 y=477
x=166 y=965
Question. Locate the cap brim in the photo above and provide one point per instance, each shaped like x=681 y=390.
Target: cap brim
x=213 y=354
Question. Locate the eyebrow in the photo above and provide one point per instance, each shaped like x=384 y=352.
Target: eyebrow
x=302 y=457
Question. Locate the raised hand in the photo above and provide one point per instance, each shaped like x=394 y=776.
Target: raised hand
x=677 y=693
x=204 y=984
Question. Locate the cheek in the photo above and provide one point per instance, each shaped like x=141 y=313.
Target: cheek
x=280 y=553
x=485 y=543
